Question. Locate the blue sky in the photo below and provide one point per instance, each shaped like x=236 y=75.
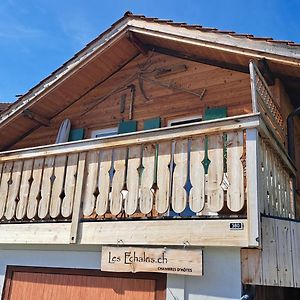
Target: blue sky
x=37 y=36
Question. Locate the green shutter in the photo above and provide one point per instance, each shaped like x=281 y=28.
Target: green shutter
x=215 y=113
x=127 y=126
x=152 y=123
x=76 y=134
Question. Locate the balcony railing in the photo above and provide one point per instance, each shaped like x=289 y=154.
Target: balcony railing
x=196 y=170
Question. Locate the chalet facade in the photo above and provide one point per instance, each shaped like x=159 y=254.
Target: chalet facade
x=157 y=163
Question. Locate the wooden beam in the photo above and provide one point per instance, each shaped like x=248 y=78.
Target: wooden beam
x=266 y=71
x=36 y=117
x=199 y=59
x=137 y=43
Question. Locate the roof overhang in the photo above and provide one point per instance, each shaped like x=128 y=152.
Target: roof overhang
x=122 y=42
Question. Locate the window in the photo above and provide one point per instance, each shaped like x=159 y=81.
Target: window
x=104 y=132
x=185 y=120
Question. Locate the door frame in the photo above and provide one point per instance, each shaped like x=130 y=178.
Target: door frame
x=160 y=279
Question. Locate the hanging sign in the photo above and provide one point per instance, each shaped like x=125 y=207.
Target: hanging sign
x=161 y=260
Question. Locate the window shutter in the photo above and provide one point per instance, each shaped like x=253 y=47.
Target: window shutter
x=76 y=134
x=127 y=126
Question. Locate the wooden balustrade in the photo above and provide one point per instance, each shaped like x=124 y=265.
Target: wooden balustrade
x=263 y=101
x=186 y=171
x=191 y=170
x=276 y=184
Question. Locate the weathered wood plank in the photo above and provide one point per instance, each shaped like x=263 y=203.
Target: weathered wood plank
x=214 y=191
x=117 y=199
x=92 y=162
x=295 y=235
x=269 y=252
x=57 y=186
x=251 y=262
x=46 y=187
x=6 y=175
x=284 y=255
x=235 y=192
x=179 y=194
x=163 y=177
x=24 y=189
x=131 y=199
x=69 y=186
x=13 y=191
x=35 y=190
x=147 y=178
x=104 y=182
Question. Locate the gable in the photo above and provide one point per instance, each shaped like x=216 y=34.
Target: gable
x=101 y=107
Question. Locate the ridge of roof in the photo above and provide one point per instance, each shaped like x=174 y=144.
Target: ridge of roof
x=209 y=29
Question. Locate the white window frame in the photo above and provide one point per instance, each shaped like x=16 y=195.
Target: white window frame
x=106 y=132
x=183 y=119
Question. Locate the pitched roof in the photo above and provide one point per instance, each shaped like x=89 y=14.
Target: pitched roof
x=112 y=49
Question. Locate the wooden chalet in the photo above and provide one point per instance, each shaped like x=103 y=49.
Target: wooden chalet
x=156 y=163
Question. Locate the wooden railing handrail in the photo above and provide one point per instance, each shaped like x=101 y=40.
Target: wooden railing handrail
x=147 y=136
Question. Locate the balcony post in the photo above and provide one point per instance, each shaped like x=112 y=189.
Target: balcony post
x=76 y=215
x=252 y=175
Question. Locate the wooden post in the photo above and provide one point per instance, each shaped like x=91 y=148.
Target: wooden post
x=253 y=87
x=252 y=173
x=77 y=199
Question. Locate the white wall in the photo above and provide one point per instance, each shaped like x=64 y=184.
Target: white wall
x=221 y=280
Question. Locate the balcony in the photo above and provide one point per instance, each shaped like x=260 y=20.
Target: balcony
x=200 y=184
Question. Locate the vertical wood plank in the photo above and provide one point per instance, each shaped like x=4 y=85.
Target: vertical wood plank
x=13 y=191
x=70 y=184
x=131 y=199
x=6 y=175
x=253 y=209
x=35 y=188
x=295 y=234
x=197 y=175
x=179 y=194
x=24 y=189
x=104 y=182
x=251 y=262
x=147 y=178
x=284 y=255
x=235 y=192
x=270 y=276
x=46 y=187
x=76 y=214
x=262 y=183
x=58 y=185
x=118 y=180
x=214 y=191
x=89 y=198
x=163 y=177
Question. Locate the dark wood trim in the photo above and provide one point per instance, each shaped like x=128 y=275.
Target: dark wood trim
x=266 y=71
x=199 y=59
x=160 y=279
x=137 y=43
x=36 y=117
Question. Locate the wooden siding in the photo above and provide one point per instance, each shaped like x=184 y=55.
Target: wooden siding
x=222 y=88
x=278 y=263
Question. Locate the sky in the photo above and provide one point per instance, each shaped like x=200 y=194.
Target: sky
x=38 y=36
